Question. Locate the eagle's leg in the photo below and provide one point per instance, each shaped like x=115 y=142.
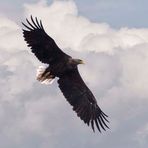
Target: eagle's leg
x=44 y=75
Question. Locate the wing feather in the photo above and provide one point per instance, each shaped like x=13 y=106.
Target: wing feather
x=42 y=45
x=82 y=100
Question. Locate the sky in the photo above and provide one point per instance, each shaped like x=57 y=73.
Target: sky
x=112 y=40
x=117 y=13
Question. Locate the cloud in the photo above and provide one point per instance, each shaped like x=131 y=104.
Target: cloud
x=34 y=115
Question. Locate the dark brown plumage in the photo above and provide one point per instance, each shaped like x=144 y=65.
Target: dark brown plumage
x=65 y=68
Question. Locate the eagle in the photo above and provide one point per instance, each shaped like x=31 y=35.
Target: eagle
x=65 y=68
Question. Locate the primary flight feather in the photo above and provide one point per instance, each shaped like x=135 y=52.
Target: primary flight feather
x=65 y=68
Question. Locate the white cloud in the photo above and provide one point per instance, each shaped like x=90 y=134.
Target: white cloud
x=34 y=115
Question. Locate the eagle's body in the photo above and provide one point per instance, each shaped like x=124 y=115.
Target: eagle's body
x=65 y=68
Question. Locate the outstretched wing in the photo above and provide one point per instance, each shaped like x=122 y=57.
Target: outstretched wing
x=42 y=45
x=82 y=100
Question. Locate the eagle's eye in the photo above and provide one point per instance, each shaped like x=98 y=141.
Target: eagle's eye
x=81 y=62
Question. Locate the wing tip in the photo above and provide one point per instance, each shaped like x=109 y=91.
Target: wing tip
x=95 y=117
x=33 y=24
x=100 y=119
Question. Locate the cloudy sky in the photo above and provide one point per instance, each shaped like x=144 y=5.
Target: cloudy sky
x=111 y=36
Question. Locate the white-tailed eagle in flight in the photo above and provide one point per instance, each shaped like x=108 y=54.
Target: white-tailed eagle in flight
x=65 y=68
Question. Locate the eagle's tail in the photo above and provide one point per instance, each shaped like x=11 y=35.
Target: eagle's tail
x=44 y=76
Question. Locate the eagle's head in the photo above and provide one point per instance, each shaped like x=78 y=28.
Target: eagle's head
x=76 y=61
x=79 y=61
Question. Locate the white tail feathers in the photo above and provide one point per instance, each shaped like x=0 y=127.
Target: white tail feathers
x=47 y=81
x=46 y=78
x=40 y=71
